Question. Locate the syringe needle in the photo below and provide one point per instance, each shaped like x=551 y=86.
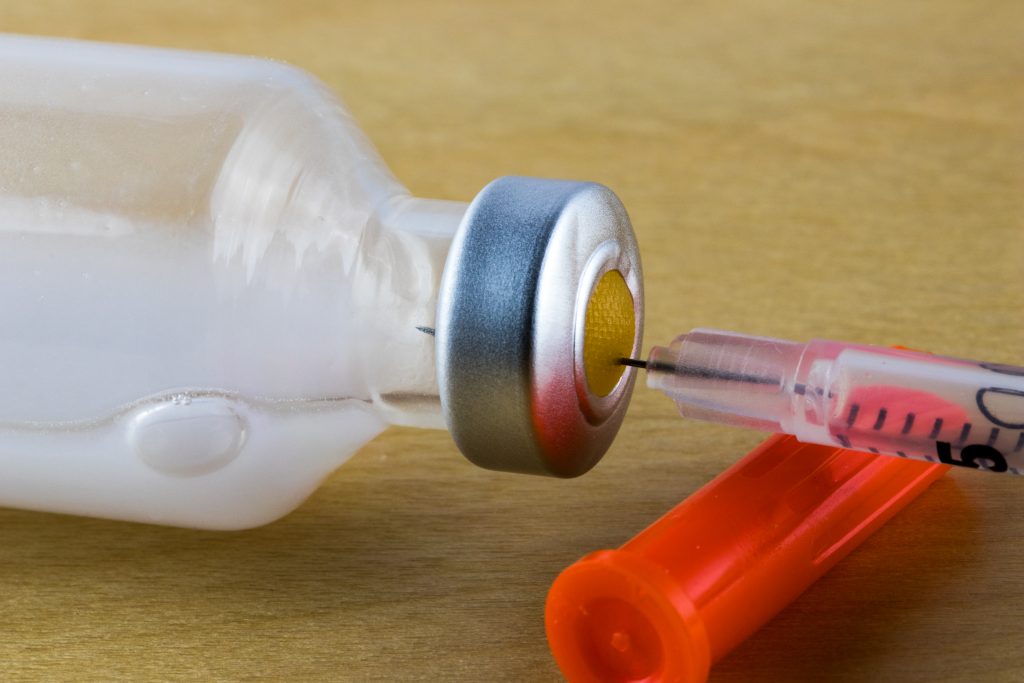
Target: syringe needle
x=699 y=372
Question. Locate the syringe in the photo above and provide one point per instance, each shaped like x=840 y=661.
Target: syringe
x=881 y=400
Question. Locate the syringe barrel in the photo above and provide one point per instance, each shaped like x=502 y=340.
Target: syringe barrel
x=881 y=400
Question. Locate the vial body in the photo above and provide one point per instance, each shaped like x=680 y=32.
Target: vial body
x=209 y=283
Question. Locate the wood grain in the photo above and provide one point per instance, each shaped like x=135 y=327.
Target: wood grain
x=797 y=169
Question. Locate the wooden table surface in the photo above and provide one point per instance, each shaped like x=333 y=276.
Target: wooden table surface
x=795 y=169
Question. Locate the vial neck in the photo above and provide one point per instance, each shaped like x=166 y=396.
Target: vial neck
x=396 y=276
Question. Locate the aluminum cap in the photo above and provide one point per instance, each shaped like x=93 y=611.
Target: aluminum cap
x=519 y=324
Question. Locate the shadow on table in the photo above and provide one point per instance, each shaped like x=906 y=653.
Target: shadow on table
x=387 y=567
x=874 y=605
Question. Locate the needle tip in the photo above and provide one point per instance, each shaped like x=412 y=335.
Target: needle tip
x=633 y=363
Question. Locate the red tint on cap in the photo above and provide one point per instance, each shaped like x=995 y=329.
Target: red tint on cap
x=700 y=580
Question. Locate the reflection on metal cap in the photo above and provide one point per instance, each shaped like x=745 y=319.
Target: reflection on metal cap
x=511 y=325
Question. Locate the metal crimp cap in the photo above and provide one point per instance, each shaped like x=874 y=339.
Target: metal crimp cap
x=541 y=296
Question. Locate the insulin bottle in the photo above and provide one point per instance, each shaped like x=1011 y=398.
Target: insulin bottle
x=213 y=292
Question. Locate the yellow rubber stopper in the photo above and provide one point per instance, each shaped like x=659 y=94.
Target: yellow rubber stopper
x=610 y=330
